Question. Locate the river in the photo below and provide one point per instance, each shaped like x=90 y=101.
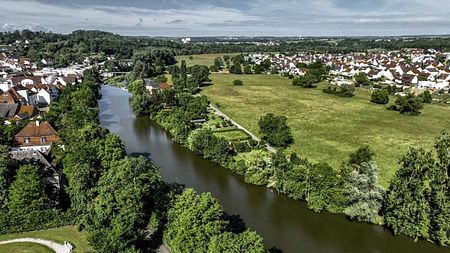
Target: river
x=285 y=224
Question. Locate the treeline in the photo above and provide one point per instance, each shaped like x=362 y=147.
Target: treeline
x=120 y=201
x=353 y=189
x=74 y=47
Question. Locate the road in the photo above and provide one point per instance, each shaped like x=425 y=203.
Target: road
x=58 y=248
x=254 y=137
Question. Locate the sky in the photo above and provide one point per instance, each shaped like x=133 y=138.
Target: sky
x=189 y=18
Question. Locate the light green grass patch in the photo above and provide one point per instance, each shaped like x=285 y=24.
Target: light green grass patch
x=232 y=135
x=201 y=59
x=326 y=127
x=59 y=235
x=24 y=248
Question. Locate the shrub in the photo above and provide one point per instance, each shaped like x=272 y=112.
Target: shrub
x=426 y=97
x=380 y=97
x=343 y=91
x=409 y=104
x=242 y=147
x=238 y=82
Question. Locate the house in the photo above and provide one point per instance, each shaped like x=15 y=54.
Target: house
x=8 y=110
x=11 y=97
x=29 y=96
x=5 y=84
x=151 y=85
x=26 y=112
x=164 y=86
x=36 y=136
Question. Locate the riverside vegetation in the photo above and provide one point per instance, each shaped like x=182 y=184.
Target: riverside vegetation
x=422 y=178
x=101 y=196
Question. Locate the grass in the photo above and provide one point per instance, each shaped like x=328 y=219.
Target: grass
x=24 y=248
x=232 y=135
x=201 y=59
x=325 y=127
x=68 y=233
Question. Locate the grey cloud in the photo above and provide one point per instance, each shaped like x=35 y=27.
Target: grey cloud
x=176 y=21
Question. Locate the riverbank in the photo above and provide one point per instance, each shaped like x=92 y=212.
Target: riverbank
x=297 y=228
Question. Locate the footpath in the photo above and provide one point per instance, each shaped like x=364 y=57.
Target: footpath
x=254 y=137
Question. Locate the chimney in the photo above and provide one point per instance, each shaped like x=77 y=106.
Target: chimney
x=37 y=123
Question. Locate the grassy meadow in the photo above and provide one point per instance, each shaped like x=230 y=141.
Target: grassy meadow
x=326 y=127
x=68 y=233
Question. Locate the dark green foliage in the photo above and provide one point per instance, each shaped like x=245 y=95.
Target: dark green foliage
x=306 y=81
x=275 y=130
x=406 y=209
x=151 y=63
x=343 y=90
x=26 y=193
x=380 y=96
x=426 y=97
x=362 y=79
x=238 y=82
x=248 y=241
x=199 y=73
x=409 y=104
x=120 y=210
x=242 y=147
x=192 y=222
x=218 y=64
x=362 y=155
x=7 y=172
x=204 y=142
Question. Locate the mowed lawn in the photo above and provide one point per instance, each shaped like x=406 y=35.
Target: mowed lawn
x=24 y=248
x=68 y=233
x=327 y=128
x=201 y=59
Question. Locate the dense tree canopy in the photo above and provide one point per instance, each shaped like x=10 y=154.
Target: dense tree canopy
x=275 y=130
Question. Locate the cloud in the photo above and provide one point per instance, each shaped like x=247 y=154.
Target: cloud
x=176 y=21
x=140 y=22
x=234 y=17
x=8 y=27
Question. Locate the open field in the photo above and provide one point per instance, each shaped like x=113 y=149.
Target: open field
x=69 y=234
x=201 y=59
x=326 y=127
x=24 y=248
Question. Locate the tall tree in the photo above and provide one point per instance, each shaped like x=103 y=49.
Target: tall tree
x=193 y=221
x=27 y=191
x=406 y=209
x=119 y=211
x=275 y=130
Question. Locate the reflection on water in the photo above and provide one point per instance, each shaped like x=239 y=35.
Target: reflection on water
x=284 y=223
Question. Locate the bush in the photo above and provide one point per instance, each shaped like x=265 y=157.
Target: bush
x=343 y=91
x=426 y=97
x=362 y=79
x=252 y=143
x=409 y=104
x=238 y=82
x=242 y=147
x=380 y=97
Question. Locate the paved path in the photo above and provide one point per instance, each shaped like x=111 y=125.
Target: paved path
x=58 y=248
x=254 y=137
